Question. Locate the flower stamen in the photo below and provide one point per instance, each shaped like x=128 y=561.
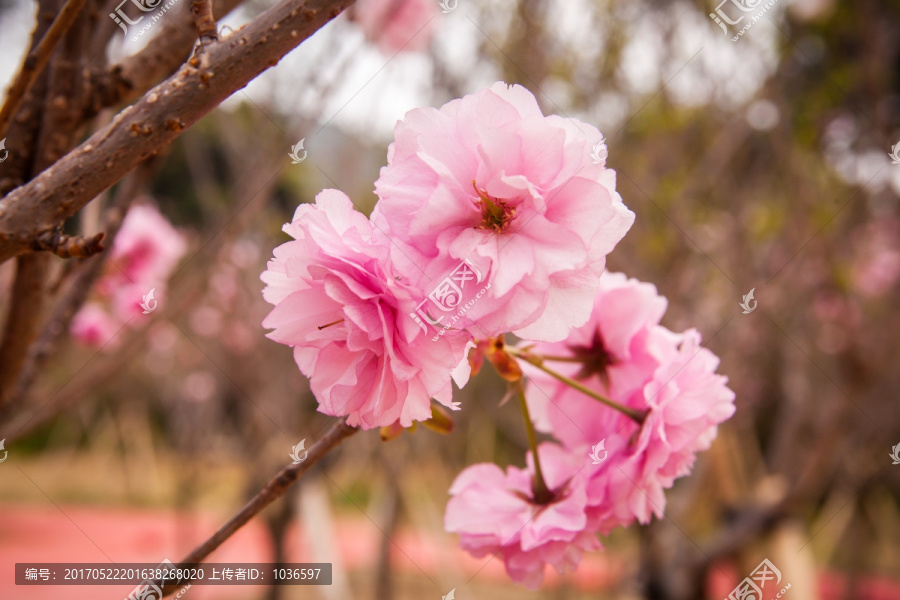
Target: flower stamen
x=496 y=215
x=321 y=327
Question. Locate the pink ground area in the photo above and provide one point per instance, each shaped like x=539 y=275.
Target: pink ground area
x=95 y=534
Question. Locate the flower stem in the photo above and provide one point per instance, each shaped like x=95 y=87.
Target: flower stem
x=568 y=359
x=542 y=494
x=636 y=415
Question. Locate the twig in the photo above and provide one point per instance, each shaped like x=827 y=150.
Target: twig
x=204 y=21
x=156 y=120
x=70 y=246
x=274 y=489
x=37 y=60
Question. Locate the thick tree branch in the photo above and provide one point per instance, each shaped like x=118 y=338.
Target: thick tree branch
x=274 y=489
x=23 y=318
x=37 y=59
x=25 y=127
x=128 y=80
x=156 y=120
x=57 y=134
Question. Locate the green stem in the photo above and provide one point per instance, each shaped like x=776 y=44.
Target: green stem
x=542 y=494
x=537 y=361
x=568 y=359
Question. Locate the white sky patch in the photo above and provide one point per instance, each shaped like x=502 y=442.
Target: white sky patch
x=16 y=24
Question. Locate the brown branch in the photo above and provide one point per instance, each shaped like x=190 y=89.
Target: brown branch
x=69 y=246
x=156 y=120
x=86 y=274
x=25 y=127
x=57 y=133
x=202 y=11
x=37 y=59
x=23 y=317
x=131 y=78
x=274 y=489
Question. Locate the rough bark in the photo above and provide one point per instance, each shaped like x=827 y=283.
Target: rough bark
x=156 y=120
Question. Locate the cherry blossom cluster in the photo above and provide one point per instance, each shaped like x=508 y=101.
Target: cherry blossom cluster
x=144 y=253
x=628 y=403
x=495 y=219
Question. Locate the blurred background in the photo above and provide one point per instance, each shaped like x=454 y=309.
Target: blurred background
x=762 y=163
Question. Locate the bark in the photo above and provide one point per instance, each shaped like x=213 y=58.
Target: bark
x=130 y=79
x=163 y=113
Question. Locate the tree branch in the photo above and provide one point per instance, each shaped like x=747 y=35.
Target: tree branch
x=37 y=59
x=274 y=489
x=156 y=120
x=129 y=79
x=204 y=20
x=86 y=274
x=23 y=318
x=70 y=246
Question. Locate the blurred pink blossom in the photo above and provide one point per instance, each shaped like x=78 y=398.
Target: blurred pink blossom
x=146 y=249
x=876 y=275
x=490 y=179
x=144 y=253
x=395 y=25
x=876 y=265
x=341 y=306
x=93 y=326
x=495 y=512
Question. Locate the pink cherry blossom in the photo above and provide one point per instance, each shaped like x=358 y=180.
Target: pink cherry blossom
x=490 y=179
x=495 y=512
x=395 y=25
x=346 y=313
x=93 y=326
x=636 y=362
x=619 y=351
x=685 y=402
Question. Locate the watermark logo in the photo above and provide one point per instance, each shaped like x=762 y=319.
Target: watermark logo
x=145 y=6
x=5 y=452
x=295 y=452
x=296 y=159
x=895 y=456
x=449 y=6
x=599 y=153
x=5 y=152
x=748 y=298
x=733 y=15
x=451 y=595
x=448 y=296
x=596 y=456
x=895 y=153
x=751 y=588
x=148 y=590
x=148 y=303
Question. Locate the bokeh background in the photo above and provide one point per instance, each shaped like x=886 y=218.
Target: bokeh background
x=762 y=163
